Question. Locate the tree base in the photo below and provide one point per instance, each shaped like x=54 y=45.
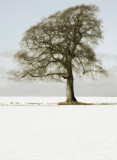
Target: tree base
x=73 y=103
x=70 y=100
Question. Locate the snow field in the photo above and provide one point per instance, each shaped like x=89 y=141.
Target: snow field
x=58 y=132
x=52 y=100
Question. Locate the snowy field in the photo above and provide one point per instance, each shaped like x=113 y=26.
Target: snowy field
x=58 y=132
x=52 y=100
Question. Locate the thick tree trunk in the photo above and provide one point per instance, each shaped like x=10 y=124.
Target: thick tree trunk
x=70 y=90
x=70 y=85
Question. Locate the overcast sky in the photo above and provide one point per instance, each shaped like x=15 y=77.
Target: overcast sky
x=16 y=16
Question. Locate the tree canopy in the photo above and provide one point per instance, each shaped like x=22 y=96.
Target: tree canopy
x=61 y=45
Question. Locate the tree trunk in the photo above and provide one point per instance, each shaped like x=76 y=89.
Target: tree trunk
x=70 y=85
x=70 y=90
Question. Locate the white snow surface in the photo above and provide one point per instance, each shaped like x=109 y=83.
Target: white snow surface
x=58 y=132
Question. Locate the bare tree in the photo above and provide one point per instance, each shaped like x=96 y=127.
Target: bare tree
x=61 y=45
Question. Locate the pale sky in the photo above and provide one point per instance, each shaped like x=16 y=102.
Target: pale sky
x=16 y=16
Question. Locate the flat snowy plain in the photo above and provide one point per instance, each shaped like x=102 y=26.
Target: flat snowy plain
x=53 y=132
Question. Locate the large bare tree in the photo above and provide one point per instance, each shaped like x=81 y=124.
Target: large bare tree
x=61 y=45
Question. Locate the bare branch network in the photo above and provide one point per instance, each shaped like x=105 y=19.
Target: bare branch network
x=61 y=45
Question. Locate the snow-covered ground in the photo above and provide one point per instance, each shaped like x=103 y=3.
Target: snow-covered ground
x=52 y=100
x=58 y=132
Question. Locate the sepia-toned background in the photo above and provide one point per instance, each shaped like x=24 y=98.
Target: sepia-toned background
x=17 y=16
